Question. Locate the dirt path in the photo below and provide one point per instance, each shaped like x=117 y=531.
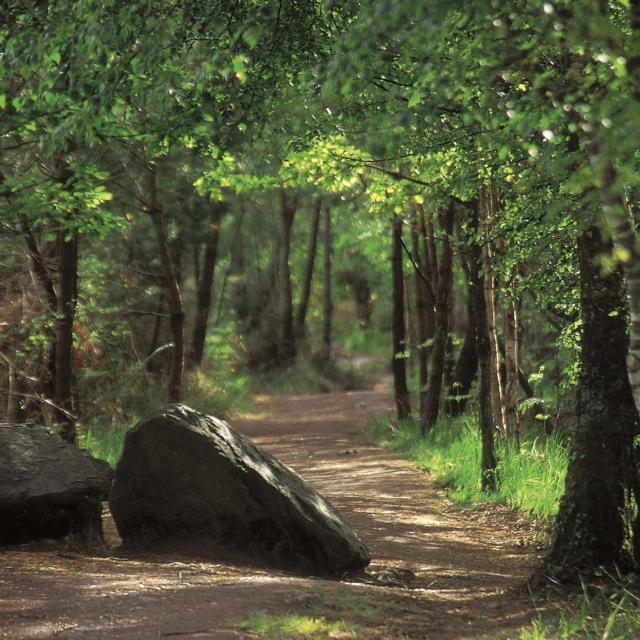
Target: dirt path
x=470 y=566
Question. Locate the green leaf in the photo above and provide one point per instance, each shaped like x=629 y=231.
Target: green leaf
x=3 y=101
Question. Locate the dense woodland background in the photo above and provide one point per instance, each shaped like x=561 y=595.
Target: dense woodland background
x=199 y=200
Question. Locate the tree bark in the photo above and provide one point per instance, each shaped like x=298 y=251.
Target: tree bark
x=443 y=295
x=467 y=364
x=398 y=361
x=511 y=357
x=497 y=392
x=483 y=352
x=287 y=340
x=625 y=239
x=205 y=287
x=327 y=297
x=430 y=266
x=590 y=529
x=172 y=288
x=67 y=249
x=303 y=304
x=422 y=313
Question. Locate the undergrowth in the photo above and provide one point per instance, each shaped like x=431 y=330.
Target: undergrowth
x=308 y=376
x=604 y=615
x=216 y=388
x=530 y=479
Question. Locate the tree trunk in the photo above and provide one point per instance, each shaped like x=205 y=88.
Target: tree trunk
x=327 y=298
x=422 y=314
x=303 y=304
x=172 y=288
x=430 y=268
x=205 y=286
x=44 y=278
x=511 y=328
x=287 y=340
x=527 y=389
x=483 y=353
x=443 y=294
x=467 y=364
x=398 y=362
x=497 y=394
x=67 y=250
x=67 y=286
x=590 y=529
x=624 y=236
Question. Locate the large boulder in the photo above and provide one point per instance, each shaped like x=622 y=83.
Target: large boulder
x=48 y=487
x=187 y=481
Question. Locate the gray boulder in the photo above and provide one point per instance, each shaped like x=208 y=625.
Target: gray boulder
x=48 y=487
x=190 y=482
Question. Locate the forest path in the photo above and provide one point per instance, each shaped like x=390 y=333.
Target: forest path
x=470 y=566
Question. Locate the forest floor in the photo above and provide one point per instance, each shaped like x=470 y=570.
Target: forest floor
x=470 y=565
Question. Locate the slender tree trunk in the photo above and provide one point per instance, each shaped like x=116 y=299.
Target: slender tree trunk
x=497 y=392
x=483 y=352
x=287 y=340
x=39 y=266
x=67 y=250
x=443 y=295
x=205 y=287
x=590 y=529
x=172 y=288
x=303 y=304
x=398 y=362
x=327 y=297
x=431 y=253
x=430 y=269
x=467 y=364
x=422 y=313
x=511 y=328
x=67 y=276
x=44 y=278
x=527 y=389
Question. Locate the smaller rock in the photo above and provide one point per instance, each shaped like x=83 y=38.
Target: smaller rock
x=48 y=487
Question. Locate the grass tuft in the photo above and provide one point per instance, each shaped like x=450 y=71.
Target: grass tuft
x=530 y=479
x=295 y=627
x=588 y=617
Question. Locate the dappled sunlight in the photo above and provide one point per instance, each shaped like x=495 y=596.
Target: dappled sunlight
x=462 y=568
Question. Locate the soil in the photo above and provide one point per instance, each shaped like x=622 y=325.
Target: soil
x=438 y=571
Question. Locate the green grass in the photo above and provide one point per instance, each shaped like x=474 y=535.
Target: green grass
x=531 y=480
x=295 y=627
x=341 y=603
x=588 y=617
x=103 y=442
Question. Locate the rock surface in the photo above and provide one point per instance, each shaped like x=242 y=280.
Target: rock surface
x=48 y=487
x=190 y=482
